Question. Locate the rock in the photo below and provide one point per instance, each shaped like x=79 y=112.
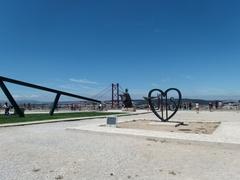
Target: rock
x=36 y=169
x=172 y=173
x=59 y=177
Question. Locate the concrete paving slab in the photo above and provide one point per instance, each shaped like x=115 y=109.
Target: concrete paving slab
x=228 y=131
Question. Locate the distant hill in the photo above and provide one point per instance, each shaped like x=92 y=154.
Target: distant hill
x=26 y=102
x=142 y=102
x=136 y=102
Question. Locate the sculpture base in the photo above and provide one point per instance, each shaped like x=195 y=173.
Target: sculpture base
x=187 y=127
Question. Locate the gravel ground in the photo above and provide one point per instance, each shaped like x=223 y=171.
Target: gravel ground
x=49 y=151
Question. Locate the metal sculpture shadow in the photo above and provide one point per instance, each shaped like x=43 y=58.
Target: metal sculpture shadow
x=21 y=83
x=164 y=103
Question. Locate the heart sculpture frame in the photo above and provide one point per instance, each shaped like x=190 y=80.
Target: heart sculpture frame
x=165 y=104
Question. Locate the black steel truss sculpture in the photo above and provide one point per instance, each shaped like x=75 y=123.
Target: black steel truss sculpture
x=164 y=104
x=21 y=83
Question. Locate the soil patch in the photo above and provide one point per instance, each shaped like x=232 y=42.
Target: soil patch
x=188 y=127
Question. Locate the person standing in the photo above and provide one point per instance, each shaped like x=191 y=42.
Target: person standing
x=216 y=105
x=190 y=106
x=100 y=107
x=184 y=106
x=6 y=109
x=197 y=108
x=210 y=105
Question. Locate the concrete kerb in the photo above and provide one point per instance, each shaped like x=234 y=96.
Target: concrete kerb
x=157 y=136
x=227 y=132
x=64 y=120
x=162 y=139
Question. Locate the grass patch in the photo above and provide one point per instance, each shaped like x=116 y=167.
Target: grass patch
x=39 y=117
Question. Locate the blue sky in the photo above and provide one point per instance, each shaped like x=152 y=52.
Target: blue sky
x=83 y=46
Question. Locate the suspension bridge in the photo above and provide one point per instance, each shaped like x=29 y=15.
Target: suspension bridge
x=111 y=94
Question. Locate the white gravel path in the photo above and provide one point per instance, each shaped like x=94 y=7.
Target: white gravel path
x=49 y=151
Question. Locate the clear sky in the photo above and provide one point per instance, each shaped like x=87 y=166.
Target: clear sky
x=83 y=46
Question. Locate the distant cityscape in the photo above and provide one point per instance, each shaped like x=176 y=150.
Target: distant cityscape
x=187 y=104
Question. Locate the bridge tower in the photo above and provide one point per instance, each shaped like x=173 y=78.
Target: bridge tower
x=115 y=95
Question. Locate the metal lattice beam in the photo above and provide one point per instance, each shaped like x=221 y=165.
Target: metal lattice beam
x=55 y=104
x=11 y=99
x=34 y=86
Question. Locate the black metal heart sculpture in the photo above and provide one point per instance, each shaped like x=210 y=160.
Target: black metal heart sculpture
x=165 y=104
